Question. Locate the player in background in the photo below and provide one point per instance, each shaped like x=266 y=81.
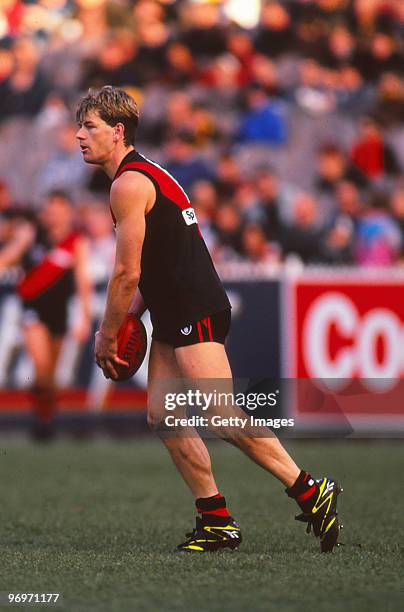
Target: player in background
x=160 y=250
x=54 y=258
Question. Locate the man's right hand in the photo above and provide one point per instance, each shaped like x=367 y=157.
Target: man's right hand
x=106 y=355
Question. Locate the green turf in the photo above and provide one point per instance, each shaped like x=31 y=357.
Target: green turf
x=98 y=522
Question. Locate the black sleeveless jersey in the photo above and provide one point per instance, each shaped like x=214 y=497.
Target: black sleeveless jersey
x=178 y=281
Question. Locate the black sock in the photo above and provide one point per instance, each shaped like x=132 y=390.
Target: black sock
x=213 y=507
x=304 y=491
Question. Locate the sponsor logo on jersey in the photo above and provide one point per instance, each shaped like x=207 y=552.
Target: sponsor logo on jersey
x=186 y=330
x=189 y=216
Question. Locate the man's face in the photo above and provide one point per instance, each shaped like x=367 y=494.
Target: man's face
x=97 y=138
x=56 y=213
x=331 y=165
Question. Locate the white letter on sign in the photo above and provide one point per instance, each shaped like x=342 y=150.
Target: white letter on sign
x=332 y=308
x=384 y=324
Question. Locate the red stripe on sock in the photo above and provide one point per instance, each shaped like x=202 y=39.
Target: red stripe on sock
x=306 y=494
x=218 y=512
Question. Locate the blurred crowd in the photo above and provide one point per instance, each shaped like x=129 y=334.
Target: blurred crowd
x=283 y=120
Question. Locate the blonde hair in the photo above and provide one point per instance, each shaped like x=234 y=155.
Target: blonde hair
x=114 y=106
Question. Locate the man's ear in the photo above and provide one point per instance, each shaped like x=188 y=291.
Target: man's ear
x=119 y=131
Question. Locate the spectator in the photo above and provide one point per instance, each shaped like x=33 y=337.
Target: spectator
x=312 y=93
x=206 y=127
x=378 y=240
x=340 y=47
x=240 y=46
x=184 y=163
x=223 y=77
x=181 y=67
x=380 y=56
x=94 y=18
x=245 y=197
x=310 y=34
x=147 y=12
x=303 y=237
x=366 y=14
x=151 y=56
x=228 y=227
x=275 y=35
x=331 y=11
x=266 y=210
x=256 y=247
x=228 y=176
x=338 y=243
x=264 y=75
x=354 y=96
x=349 y=202
x=26 y=89
x=54 y=114
x=177 y=119
x=205 y=202
x=64 y=170
x=116 y=63
x=371 y=154
x=333 y=167
x=204 y=37
x=264 y=121
x=389 y=110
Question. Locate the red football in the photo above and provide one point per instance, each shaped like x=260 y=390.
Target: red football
x=132 y=346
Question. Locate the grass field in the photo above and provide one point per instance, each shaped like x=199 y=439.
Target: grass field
x=98 y=522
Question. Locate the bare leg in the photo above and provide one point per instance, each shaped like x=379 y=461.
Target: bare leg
x=38 y=343
x=189 y=453
x=44 y=351
x=209 y=360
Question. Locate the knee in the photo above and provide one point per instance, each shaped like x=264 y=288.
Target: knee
x=241 y=442
x=43 y=390
x=155 y=421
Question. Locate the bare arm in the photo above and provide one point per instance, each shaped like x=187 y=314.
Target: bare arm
x=137 y=306
x=83 y=289
x=14 y=249
x=131 y=195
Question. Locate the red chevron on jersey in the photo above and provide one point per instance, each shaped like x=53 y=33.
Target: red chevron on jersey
x=167 y=184
x=54 y=265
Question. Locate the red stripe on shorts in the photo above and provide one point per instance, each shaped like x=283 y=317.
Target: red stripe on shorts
x=210 y=330
x=200 y=332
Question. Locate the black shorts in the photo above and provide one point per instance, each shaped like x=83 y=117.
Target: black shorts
x=53 y=316
x=212 y=328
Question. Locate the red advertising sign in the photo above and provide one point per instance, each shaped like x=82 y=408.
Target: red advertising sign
x=346 y=334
